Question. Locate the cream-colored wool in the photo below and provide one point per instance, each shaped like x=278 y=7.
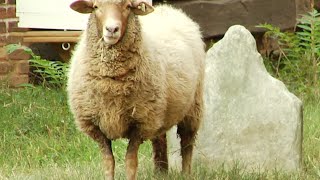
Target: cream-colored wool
x=148 y=82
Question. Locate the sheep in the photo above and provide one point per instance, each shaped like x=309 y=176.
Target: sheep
x=136 y=72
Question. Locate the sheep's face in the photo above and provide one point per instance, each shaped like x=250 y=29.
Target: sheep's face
x=112 y=15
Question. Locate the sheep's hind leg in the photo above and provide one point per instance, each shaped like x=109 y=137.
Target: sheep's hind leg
x=132 y=159
x=160 y=155
x=187 y=132
x=108 y=159
x=95 y=133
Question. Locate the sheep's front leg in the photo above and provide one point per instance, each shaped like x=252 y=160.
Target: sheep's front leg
x=160 y=155
x=132 y=159
x=95 y=133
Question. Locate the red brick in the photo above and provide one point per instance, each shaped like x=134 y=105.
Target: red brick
x=16 y=80
x=3 y=12
x=11 y=1
x=14 y=39
x=3 y=27
x=3 y=40
x=13 y=27
x=18 y=55
x=11 y=12
x=3 y=54
x=5 y=67
x=21 y=67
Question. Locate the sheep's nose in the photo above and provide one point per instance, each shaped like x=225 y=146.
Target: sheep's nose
x=113 y=29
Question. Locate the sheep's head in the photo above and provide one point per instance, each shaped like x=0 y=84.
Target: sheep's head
x=112 y=15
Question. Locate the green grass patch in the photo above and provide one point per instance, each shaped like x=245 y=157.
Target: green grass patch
x=38 y=140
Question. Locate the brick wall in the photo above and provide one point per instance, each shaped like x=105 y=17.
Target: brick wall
x=14 y=67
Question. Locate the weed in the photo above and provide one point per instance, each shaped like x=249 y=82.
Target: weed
x=299 y=61
x=50 y=73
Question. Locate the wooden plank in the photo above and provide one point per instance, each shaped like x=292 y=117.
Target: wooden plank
x=16 y=34
x=50 y=39
x=48 y=33
x=52 y=34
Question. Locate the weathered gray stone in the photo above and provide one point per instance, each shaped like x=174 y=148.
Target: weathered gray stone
x=216 y=16
x=250 y=117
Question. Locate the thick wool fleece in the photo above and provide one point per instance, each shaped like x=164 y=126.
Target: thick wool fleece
x=148 y=82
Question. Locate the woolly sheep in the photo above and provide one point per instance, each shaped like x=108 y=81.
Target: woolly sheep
x=135 y=77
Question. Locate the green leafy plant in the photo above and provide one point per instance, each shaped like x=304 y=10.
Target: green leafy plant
x=298 y=63
x=50 y=73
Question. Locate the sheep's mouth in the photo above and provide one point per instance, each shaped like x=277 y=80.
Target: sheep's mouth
x=110 y=40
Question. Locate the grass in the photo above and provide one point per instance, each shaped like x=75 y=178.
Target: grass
x=38 y=140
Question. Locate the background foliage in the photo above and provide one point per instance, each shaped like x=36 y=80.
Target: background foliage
x=51 y=74
x=298 y=62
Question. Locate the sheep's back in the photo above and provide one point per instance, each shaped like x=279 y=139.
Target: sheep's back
x=175 y=44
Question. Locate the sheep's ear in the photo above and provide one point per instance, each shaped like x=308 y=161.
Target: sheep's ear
x=141 y=7
x=82 y=6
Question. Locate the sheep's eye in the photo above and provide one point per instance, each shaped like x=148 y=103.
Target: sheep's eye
x=95 y=7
